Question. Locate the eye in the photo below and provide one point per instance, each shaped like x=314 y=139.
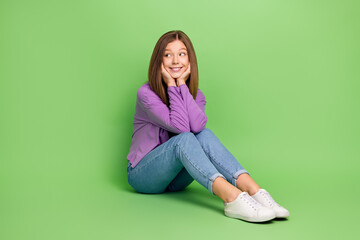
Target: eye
x=183 y=53
x=166 y=55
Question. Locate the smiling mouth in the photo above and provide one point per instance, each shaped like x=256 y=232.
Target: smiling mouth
x=176 y=69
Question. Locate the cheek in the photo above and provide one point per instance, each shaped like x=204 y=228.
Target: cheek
x=166 y=62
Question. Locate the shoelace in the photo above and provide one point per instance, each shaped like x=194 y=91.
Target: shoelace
x=252 y=202
x=270 y=200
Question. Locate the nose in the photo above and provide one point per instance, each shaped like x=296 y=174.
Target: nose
x=175 y=59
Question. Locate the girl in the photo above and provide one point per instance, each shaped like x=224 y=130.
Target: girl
x=171 y=145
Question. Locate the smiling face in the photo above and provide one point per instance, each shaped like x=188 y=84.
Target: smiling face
x=176 y=58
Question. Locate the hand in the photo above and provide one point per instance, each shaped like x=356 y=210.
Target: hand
x=166 y=77
x=184 y=77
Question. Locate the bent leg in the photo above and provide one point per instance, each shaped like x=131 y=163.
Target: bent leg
x=158 y=168
x=221 y=158
x=180 y=182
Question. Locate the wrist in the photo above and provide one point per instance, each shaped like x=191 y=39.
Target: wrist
x=180 y=82
x=171 y=85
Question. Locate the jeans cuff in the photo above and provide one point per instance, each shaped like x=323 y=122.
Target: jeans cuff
x=237 y=174
x=212 y=179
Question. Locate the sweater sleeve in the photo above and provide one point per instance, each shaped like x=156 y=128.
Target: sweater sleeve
x=173 y=118
x=196 y=109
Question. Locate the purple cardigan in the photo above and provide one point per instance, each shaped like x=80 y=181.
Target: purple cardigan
x=153 y=120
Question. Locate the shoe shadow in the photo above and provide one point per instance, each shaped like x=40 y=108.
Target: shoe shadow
x=267 y=222
x=281 y=219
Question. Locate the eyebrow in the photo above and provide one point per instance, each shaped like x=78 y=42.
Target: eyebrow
x=179 y=49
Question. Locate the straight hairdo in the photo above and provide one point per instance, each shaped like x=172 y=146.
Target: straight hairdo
x=154 y=75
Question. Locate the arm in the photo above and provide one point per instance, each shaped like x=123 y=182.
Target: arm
x=173 y=118
x=196 y=109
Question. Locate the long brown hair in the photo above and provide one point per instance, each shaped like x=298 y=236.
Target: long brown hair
x=154 y=75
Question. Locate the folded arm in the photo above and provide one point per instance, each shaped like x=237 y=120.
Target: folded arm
x=173 y=118
x=195 y=109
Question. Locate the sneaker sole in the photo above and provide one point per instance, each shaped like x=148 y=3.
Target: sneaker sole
x=282 y=216
x=248 y=219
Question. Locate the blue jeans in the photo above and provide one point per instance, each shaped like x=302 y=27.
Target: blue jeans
x=173 y=165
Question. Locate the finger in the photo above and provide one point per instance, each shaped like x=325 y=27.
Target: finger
x=163 y=70
x=187 y=72
x=188 y=69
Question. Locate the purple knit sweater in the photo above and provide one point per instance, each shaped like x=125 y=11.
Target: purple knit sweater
x=153 y=120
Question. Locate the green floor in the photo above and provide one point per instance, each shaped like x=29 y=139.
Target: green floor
x=62 y=204
x=111 y=212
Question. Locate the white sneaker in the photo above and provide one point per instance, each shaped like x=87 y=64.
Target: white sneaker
x=263 y=197
x=246 y=208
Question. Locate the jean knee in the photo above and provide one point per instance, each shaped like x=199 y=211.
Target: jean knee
x=205 y=135
x=185 y=137
x=185 y=134
x=205 y=132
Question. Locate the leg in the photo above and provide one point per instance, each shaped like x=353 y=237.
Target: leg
x=226 y=191
x=221 y=187
x=225 y=162
x=247 y=184
x=180 y=182
x=159 y=167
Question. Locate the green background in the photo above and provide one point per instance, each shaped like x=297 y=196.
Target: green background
x=281 y=80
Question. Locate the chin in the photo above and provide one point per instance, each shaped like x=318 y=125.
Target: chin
x=177 y=75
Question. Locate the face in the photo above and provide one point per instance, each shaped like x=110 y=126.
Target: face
x=176 y=58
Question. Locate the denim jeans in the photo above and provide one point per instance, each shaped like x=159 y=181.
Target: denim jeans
x=173 y=165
